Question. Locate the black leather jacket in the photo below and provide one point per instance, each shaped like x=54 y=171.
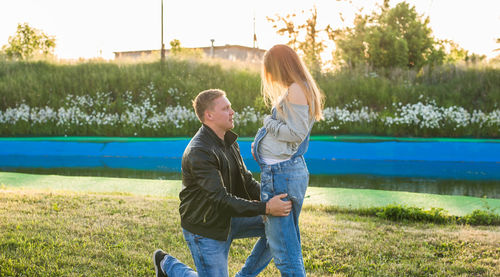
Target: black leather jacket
x=209 y=198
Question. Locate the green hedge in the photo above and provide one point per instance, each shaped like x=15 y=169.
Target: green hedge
x=114 y=90
x=177 y=82
x=42 y=83
x=402 y=213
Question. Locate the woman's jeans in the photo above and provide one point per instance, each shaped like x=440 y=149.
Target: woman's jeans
x=210 y=256
x=283 y=234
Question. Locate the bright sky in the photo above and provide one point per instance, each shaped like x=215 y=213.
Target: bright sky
x=94 y=28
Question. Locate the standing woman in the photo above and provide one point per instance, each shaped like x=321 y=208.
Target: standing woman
x=279 y=147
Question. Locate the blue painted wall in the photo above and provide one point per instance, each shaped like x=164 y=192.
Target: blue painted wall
x=428 y=159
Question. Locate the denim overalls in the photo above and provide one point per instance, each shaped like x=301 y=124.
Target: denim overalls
x=291 y=177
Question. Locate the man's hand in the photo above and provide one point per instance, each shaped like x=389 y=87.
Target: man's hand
x=277 y=207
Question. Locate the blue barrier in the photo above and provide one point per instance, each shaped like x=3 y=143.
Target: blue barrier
x=426 y=159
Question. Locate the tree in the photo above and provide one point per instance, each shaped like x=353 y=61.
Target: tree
x=350 y=44
x=394 y=37
x=497 y=58
x=312 y=46
x=177 y=50
x=29 y=42
x=289 y=28
x=175 y=46
x=453 y=51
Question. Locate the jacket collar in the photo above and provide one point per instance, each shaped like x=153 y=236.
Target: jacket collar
x=229 y=138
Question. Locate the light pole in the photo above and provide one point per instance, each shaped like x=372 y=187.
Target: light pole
x=212 y=48
x=162 y=44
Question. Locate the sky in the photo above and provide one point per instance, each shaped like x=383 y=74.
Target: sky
x=97 y=28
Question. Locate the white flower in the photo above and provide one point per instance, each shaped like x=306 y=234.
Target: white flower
x=420 y=115
x=43 y=115
x=144 y=113
x=248 y=115
x=13 y=115
x=343 y=115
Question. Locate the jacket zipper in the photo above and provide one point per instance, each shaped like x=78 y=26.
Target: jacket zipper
x=241 y=174
x=205 y=216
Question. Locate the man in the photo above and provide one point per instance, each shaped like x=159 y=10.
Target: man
x=219 y=197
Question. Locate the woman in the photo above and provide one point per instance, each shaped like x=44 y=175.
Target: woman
x=279 y=147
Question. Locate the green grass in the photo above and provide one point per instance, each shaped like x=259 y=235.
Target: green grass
x=60 y=233
x=342 y=198
x=469 y=87
x=45 y=83
x=178 y=81
x=42 y=83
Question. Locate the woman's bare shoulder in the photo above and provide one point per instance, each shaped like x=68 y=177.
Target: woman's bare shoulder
x=296 y=95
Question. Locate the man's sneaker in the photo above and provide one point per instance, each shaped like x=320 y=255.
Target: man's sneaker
x=158 y=256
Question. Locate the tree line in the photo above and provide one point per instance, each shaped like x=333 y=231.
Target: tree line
x=391 y=37
x=387 y=38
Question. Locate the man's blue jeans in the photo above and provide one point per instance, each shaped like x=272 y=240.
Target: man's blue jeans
x=210 y=256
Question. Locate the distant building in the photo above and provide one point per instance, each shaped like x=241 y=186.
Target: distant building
x=228 y=52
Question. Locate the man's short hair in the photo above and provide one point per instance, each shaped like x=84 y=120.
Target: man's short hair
x=205 y=100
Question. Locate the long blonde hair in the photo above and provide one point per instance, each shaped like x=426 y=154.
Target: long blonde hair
x=281 y=68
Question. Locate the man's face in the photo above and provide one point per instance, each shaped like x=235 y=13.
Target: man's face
x=221 y=114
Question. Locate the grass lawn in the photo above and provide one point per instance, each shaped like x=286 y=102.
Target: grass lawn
x=98 y=232
x=338 y=197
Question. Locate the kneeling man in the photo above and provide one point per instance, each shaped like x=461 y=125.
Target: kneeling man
x=220 y=200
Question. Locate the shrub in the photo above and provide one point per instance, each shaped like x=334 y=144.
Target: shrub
x=481 y=217
x=136 y=99
x=401 y=213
